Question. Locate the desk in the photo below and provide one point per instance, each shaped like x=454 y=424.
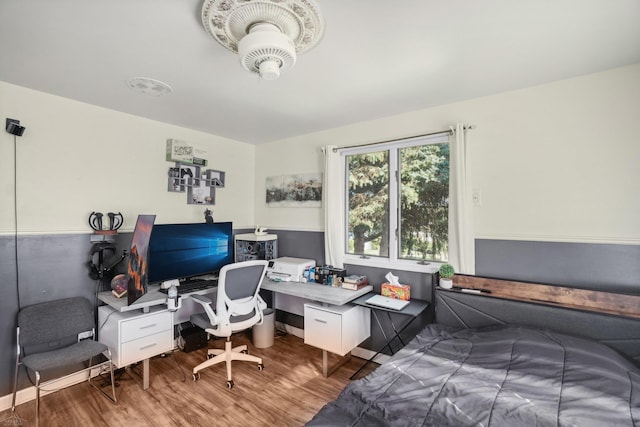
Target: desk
x=153 y=297
x=138 y=331
x=118 y=316
x=315 y=291
x=414 y=309
x=338 y=327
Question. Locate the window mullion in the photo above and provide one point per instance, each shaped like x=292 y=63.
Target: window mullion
x=393 y=204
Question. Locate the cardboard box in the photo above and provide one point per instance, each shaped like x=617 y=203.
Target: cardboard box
x=179 y=151
x=401 y=292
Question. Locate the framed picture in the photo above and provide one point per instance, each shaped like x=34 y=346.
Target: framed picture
x=294 y=191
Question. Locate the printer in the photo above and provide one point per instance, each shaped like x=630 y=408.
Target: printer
x=288 y=269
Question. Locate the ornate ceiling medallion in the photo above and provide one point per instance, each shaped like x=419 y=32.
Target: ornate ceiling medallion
x=271 y=31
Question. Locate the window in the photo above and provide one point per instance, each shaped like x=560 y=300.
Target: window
x=398 y=200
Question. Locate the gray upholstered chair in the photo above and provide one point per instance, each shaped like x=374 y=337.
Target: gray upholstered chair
x=57 y=336
x=238 y=307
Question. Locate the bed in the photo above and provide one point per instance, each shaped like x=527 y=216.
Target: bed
x=477 y=369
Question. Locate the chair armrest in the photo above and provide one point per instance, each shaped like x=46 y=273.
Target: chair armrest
x=201 y=299
x=206 y=304
x=261 y=304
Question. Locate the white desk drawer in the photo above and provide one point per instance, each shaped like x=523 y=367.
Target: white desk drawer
x=146 y=347
x=145 y=325
x=323 y=329
x=338 y=329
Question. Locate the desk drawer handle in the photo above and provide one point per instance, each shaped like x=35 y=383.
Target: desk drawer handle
x=320 y=320
x=148 y=346
x=148 y=326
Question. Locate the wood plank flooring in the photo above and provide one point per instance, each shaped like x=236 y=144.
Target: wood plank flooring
x=288 y=392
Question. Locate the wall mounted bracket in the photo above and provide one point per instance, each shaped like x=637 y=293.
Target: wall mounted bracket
x=13 y=127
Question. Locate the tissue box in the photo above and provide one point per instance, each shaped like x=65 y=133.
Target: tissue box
x=401 y=292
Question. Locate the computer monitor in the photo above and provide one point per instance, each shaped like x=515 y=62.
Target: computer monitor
x=183 y=251
x=137 y=268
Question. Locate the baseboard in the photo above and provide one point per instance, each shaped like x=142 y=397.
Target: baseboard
x=28 y=394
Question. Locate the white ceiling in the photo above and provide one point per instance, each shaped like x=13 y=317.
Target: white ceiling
x=377 y=58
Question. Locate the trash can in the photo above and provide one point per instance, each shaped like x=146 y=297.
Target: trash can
x=263 y=334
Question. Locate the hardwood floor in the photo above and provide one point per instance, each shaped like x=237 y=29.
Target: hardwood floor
x=288 y=392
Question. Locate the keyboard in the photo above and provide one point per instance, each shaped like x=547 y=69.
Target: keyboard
x=194 y=285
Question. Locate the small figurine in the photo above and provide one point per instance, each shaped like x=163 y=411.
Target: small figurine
x=208 y=216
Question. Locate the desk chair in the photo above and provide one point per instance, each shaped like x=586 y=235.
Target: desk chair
x=58 y=335
x=238 y=307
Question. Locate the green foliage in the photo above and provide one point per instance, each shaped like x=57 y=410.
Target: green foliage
x=446 y=271
x=424 y=202
x=369 y=200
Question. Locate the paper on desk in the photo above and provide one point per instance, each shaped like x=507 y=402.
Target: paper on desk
x=392 y=279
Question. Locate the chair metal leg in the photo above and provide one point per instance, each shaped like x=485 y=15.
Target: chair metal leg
x=113 y=386
x=37 y=399
x=15 y=376
x=113 y=383
x=15 y=385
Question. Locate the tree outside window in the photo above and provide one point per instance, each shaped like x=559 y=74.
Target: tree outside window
x=416 y=204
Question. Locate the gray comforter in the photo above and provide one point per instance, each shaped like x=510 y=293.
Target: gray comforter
x=498 y=376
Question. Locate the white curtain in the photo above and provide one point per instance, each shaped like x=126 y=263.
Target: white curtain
x=461 y=234
x=334 y=200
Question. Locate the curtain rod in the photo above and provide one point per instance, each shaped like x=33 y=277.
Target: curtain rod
x=449 y=131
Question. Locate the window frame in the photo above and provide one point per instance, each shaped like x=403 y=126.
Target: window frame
x=392 y=261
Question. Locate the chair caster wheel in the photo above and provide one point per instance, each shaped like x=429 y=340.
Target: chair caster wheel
x=260 y=367
x=230 y=384
x=196 y=376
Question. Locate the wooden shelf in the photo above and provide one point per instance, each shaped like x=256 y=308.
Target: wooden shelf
x=582 y=299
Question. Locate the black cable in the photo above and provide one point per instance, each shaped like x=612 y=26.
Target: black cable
x=15 y=216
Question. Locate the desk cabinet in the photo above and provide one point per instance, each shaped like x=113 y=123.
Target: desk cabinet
x=133 y=336
x=338 y=329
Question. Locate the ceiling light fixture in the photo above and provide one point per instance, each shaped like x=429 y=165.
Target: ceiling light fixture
x=267 y=34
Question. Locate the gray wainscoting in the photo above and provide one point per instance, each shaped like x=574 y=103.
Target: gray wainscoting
x=301 y=244
x=54 y=266
x=604 y=267
x=51 y=266
x=8 y=311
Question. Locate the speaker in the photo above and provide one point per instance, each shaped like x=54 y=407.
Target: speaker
x=13 y=127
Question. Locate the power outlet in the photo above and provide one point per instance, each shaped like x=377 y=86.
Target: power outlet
x=476 y=197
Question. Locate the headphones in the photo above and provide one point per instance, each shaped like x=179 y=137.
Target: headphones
x=96 y=263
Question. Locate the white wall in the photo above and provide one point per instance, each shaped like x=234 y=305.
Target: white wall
x=75 y=158
x=557 y=162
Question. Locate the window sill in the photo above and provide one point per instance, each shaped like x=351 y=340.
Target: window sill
x=432 y=267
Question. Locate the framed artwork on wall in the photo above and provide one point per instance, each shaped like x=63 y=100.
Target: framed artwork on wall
x=294 y=191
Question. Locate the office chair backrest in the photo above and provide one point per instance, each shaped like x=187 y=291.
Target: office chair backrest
x=51 y=325
x=238 y=287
